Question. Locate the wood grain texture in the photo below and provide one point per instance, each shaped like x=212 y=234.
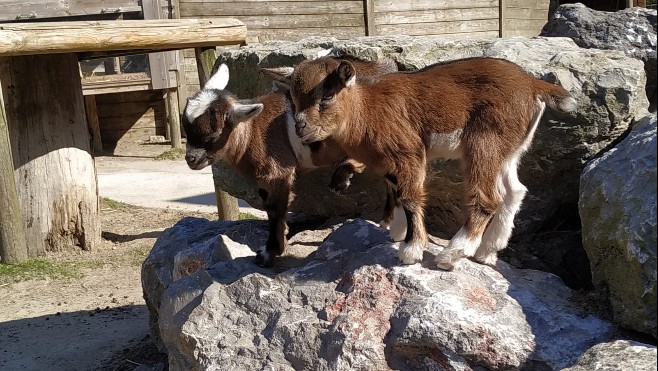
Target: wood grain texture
x=427 y=5
x=82 y=36
x=238 y=9
x=426 y=16
x=13 y=248
x=16 y=10
x=54 y=169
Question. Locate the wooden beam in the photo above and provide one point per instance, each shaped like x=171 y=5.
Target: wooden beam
x=227 y=205
x=92 y=122
x=89 y=36
x=13 y=248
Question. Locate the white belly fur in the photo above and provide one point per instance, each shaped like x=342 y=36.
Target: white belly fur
x=445 y=145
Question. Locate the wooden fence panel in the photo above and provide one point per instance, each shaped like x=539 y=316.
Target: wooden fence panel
x=524 y=17
x=431 y=17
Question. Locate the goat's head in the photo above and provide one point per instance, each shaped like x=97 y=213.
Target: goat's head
x=210 y=117
x=317 y=89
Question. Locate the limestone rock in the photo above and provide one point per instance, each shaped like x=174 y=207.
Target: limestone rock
x=631 y=30
x=620 y=355
x=618 y=213
x=352 y=306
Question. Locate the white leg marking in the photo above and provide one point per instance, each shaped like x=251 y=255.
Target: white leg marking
x=398 y=224
x=411 y=253
x=460 y=246
x=498 y=233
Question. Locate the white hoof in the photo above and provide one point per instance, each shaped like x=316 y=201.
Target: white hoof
x=411 y=253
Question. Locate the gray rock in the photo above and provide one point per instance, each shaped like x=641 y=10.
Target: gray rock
x=618 y=213
x=620 y=355
x=632 y=31
x=608 y=85
x=351 y=306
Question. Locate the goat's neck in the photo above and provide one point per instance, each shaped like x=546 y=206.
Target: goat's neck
x=238 y=143
x=350 y=130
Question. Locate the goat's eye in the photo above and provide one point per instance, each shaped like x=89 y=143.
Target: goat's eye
x=326 y=98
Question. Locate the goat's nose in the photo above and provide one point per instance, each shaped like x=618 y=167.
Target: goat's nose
x=190 y=158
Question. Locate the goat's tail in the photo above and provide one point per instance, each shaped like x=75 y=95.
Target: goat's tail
x=555 y=96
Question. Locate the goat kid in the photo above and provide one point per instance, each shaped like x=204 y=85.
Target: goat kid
x=257 y=138
x=483 y=111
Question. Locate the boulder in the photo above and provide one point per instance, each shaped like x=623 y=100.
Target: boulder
x=631 y=30
x=350 y=305
x=608 y=85
x=619 y=355
x=618 y=213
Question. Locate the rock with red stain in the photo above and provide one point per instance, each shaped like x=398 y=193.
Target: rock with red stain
x=352 y=306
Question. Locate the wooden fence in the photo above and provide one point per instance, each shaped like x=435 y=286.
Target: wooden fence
x=343 y=19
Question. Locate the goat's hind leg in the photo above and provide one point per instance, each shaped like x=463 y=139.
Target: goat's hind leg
x=482 y=200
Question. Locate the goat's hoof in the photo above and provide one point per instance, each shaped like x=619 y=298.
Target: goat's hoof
x=410 y=253
x=489 y=260
x=339 y=188
x=445 y=262
x=263 y=259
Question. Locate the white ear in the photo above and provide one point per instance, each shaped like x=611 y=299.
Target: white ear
x=219 y=80
x=243 y=112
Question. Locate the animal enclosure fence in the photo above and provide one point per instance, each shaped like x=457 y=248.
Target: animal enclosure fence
x=344 y=19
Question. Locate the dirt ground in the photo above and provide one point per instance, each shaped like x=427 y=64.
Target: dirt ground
x=98 y=321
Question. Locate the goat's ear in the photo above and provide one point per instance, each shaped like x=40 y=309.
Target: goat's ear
x=346 y=73
x=219 y=80
x=241 y=112
x=280 y=75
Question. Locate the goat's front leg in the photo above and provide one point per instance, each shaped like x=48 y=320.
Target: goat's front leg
x=343 y=174
x=411 y=195
x=276 y=205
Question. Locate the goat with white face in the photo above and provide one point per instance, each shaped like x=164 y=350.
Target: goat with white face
x=483 y=111
x=257 y=138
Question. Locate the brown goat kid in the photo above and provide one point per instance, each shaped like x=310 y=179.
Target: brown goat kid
x=257 y=138
x=483 y=111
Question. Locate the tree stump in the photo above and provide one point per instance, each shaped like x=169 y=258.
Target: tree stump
x=50 y=142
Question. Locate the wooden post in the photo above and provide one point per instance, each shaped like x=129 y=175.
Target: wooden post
x=173 y=118
x=13 y=248
x=227 y=205
x=501 y=18
x=369 y=13
x=54 y=170
x=94 y=126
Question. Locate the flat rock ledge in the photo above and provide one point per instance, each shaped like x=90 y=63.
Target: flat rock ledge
x=340 y=300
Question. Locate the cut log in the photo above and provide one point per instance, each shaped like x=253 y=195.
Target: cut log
x=104 y=36
x=50 y=143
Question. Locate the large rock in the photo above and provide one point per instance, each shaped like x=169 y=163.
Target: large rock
x=620 y=355
x=351 y=306
x=608 y=85
x=632 y=31
x=618 y=213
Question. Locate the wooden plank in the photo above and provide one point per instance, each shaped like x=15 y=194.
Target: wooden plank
x=302 y=21
x=410 y=5
x=17 y=10
x=67 y=37
x=432 y=16
x=238 y=9
x=13 y=247
x=463 y=36
x=438 y=28
x=529 y=4
x=138 y=96
x=524 y=24
x=342 y=33
x=128 y=109
x=524 y=13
